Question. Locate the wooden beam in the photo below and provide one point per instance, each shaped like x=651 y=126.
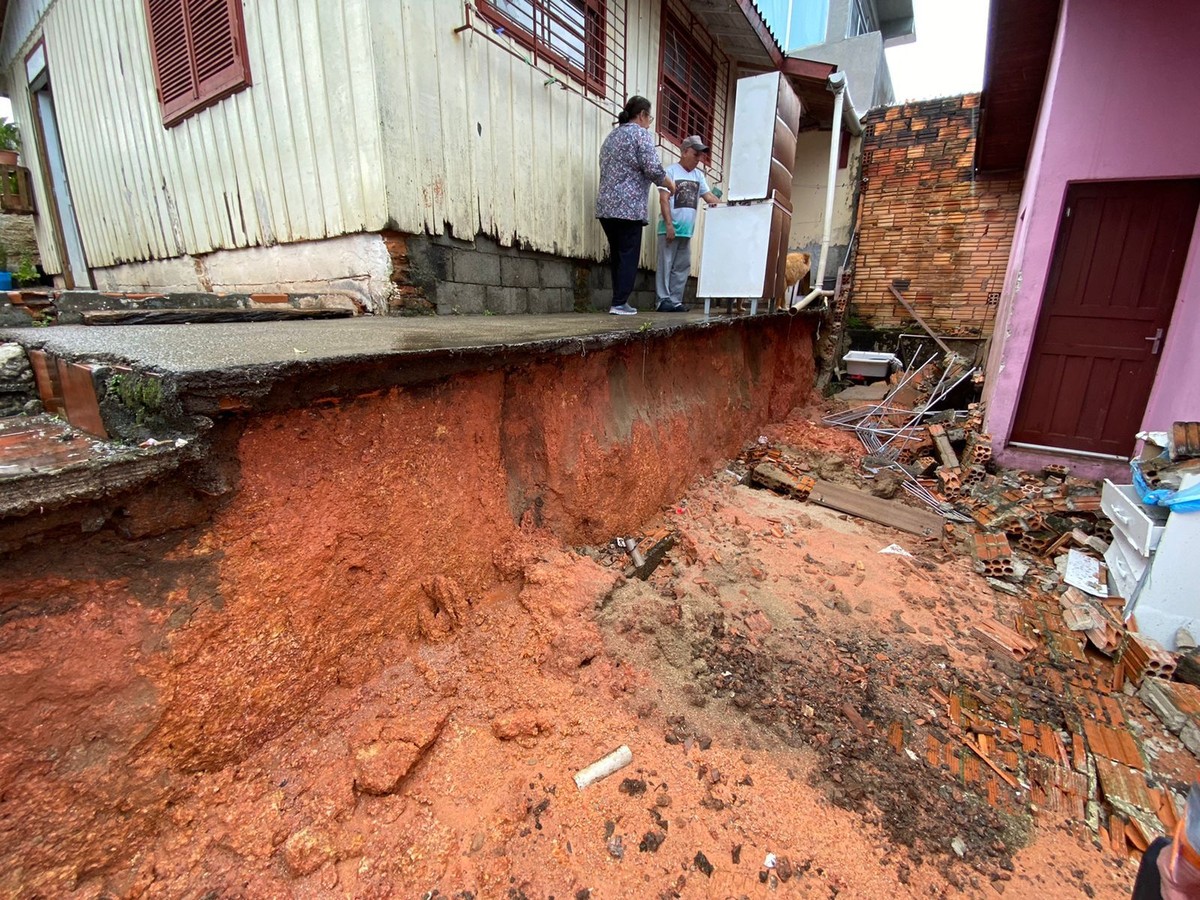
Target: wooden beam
x=912 y=312
x=885 y=512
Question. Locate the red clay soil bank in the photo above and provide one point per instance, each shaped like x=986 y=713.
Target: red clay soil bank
x=134 y=672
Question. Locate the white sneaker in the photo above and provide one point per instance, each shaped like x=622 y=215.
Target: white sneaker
x=623 y=310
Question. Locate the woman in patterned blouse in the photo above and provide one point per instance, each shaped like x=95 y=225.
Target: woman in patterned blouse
x=629 y=164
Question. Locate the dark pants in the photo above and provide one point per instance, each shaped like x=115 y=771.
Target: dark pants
x=625 y=246
x=1149 y=883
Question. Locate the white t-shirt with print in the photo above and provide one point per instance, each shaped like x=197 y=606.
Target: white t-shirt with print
x=689 y=188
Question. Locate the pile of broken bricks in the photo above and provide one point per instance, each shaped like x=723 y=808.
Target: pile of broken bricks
x=1070 y=752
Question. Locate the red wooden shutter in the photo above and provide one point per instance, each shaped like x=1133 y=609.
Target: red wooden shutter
x=218 y=46
x=171 y=52
x=199 y=53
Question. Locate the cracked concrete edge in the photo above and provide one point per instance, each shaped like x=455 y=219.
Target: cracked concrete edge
x=90 y=480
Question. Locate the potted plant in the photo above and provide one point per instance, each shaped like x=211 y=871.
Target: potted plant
x=10 y=142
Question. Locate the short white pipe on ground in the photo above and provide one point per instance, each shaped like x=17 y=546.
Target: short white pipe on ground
x=602 y=768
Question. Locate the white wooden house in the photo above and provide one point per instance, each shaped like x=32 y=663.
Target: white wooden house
x=271 y=145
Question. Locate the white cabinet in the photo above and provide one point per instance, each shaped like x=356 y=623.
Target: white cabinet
x=1154 y=560
x=745 y=251
x=766 y=120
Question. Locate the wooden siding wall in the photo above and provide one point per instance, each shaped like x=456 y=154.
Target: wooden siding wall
x=295 y=157
x=476 y=141
x=363 y=114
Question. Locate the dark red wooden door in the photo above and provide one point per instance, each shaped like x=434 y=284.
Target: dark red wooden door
x=1112 y=286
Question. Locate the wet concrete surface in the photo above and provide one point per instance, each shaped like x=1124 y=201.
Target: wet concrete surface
x=188 y=350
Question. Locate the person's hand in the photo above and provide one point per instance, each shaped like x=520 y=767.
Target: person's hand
x=670 y=231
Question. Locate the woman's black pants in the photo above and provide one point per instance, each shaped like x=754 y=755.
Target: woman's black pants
x=625 y=246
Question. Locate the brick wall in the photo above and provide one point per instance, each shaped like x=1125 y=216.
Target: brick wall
x=925 y=217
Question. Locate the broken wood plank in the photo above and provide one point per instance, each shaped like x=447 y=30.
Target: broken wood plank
x=885 y=512
x=776 y=479
x=912 y=312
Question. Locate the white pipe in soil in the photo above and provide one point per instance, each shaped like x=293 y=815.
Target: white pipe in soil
x=602 y=768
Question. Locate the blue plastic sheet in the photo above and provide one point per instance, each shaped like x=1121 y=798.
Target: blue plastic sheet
x=1187 y=500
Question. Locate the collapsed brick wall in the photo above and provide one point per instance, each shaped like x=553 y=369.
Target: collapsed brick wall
x=926 y=218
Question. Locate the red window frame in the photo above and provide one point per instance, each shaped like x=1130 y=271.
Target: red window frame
x=198 y=52
x=686 y=72
x=543 y=14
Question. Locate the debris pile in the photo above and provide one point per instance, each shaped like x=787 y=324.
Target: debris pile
x=1072 y=738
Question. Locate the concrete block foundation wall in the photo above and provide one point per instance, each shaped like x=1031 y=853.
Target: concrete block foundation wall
x=389 y=273
x=442 y=274
x=925 y=217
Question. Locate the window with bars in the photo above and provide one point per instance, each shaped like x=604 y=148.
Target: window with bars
x=198 y=49
x=569 y=34
x=861 y=21
x=687 y=101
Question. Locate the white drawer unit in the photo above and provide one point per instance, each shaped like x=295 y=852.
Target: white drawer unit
x=1125 y=564
x=1141 y=525
x=1154 y=561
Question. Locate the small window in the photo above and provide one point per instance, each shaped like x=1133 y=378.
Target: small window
x=198 y=48
x=569 y=34
x=861 y=20
x=688 y=100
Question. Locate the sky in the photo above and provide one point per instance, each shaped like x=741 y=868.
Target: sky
x=947 y=56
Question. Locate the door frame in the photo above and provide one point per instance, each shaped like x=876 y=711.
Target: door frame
x=1053 y=278
x=75 y=272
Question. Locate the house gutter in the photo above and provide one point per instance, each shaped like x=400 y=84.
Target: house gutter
x=844 y=116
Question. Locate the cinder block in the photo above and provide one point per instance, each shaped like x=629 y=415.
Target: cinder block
x=543 y=300
x=557 y=273
x=1190 y=735
x=454 y=297
x=566 y=300
x=474 y=267
x=1156 y=697
x=506 y=301
x=600 y=278
x=521 y=272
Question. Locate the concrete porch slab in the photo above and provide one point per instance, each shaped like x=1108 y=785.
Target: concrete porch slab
x=190 y=349
x=263 y=365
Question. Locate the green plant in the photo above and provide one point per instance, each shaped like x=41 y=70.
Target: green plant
x=3 y=258
x=10 y=135
x=26 y=272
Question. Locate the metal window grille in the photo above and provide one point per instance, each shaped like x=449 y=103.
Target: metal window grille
x=693 y=83
x=861 y=20
x=583 y=38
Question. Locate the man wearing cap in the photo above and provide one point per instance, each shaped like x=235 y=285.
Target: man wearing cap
x=677 y=222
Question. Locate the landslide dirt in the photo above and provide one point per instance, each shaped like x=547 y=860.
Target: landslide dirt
x=753 y=676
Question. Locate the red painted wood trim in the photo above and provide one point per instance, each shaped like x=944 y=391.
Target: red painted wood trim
x=754 y=17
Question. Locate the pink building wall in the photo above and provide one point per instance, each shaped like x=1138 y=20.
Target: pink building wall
x=1118 y=105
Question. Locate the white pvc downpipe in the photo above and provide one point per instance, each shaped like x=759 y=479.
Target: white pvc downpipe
x=842 y=108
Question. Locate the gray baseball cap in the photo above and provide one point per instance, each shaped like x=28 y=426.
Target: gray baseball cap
x=695 y=142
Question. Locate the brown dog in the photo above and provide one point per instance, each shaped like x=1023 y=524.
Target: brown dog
x=796 y=269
